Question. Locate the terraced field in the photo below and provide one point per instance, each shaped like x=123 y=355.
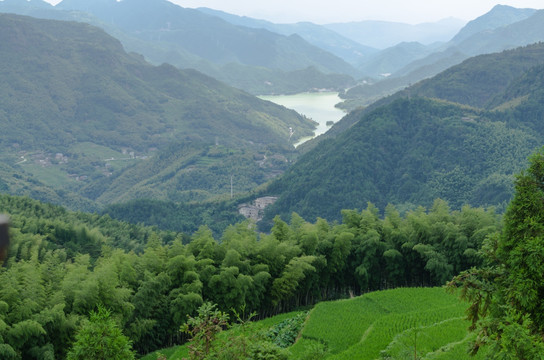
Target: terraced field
x=422 y=323
x=407 y=323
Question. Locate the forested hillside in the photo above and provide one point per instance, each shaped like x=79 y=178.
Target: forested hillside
x=77 y=111
x=62 y=265
x=475 y=82
x=409 y=152
x=255 y=60
x=479 y=80
x=90 y=77
x=460 y=136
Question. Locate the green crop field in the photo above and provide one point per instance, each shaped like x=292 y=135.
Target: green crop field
x=407 y=323
x=392 y=324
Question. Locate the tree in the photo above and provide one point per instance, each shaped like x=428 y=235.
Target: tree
x=101 y=339
x=204 y=328
x=507 y=306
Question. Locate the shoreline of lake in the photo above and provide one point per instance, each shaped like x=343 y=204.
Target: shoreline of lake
x=318 y=106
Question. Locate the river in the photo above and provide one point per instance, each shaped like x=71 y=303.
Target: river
x=318 y=106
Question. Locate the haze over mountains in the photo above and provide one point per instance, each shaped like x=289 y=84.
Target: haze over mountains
x=184 y=135
x=502 y=28
x=264 y=58
x=254 y=57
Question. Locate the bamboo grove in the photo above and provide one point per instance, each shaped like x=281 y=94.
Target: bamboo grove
x=62 y=266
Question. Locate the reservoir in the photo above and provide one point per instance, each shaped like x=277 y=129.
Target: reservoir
x=318 y=106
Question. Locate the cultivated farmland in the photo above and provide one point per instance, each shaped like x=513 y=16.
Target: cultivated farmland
x=404 y=323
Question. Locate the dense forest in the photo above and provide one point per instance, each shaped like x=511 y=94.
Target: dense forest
x=407 y=153
x=459 y=136
x=62 y=265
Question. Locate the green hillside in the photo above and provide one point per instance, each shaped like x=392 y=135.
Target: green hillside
x=390 y=324
x=63 y=268
x=255 y=60
x=78 y=110
x=476 y=81
x=459 y=136
x=409 y=152
x=88 y=83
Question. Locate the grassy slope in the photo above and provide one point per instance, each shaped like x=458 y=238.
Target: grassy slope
x=379 y=325
x=363 y=327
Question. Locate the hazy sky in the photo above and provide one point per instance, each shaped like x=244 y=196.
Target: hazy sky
x=327 y=11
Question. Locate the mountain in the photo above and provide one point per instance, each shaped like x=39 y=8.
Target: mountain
x=318 y=35
x=17 y=5
x=183 y=48
x=209 y=37
x=77 y=110
x=408 y=150
x=394 y=58
x=384 y=34
x=495 y=31
x=524 y=32
x=407 y=153
x=479 y=80
x=498 y=16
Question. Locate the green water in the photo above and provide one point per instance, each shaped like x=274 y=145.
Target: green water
x=318 y=106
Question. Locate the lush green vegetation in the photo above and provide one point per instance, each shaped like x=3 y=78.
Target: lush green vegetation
x=183 y=217
x=78 y=117
x=62 y=265
x=392 y=324
x=197 y=171
x=382 y=324
x=478 y=80
x=69 y=276
x=464 y=145
x=505 y=293
x=409 y=152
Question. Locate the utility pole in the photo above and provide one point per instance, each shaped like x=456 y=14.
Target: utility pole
x=231 y=193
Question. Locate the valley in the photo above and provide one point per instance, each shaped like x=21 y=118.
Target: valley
x=388 y=205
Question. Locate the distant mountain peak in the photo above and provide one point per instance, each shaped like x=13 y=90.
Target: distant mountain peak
x=499 y=15
x=26 y=3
